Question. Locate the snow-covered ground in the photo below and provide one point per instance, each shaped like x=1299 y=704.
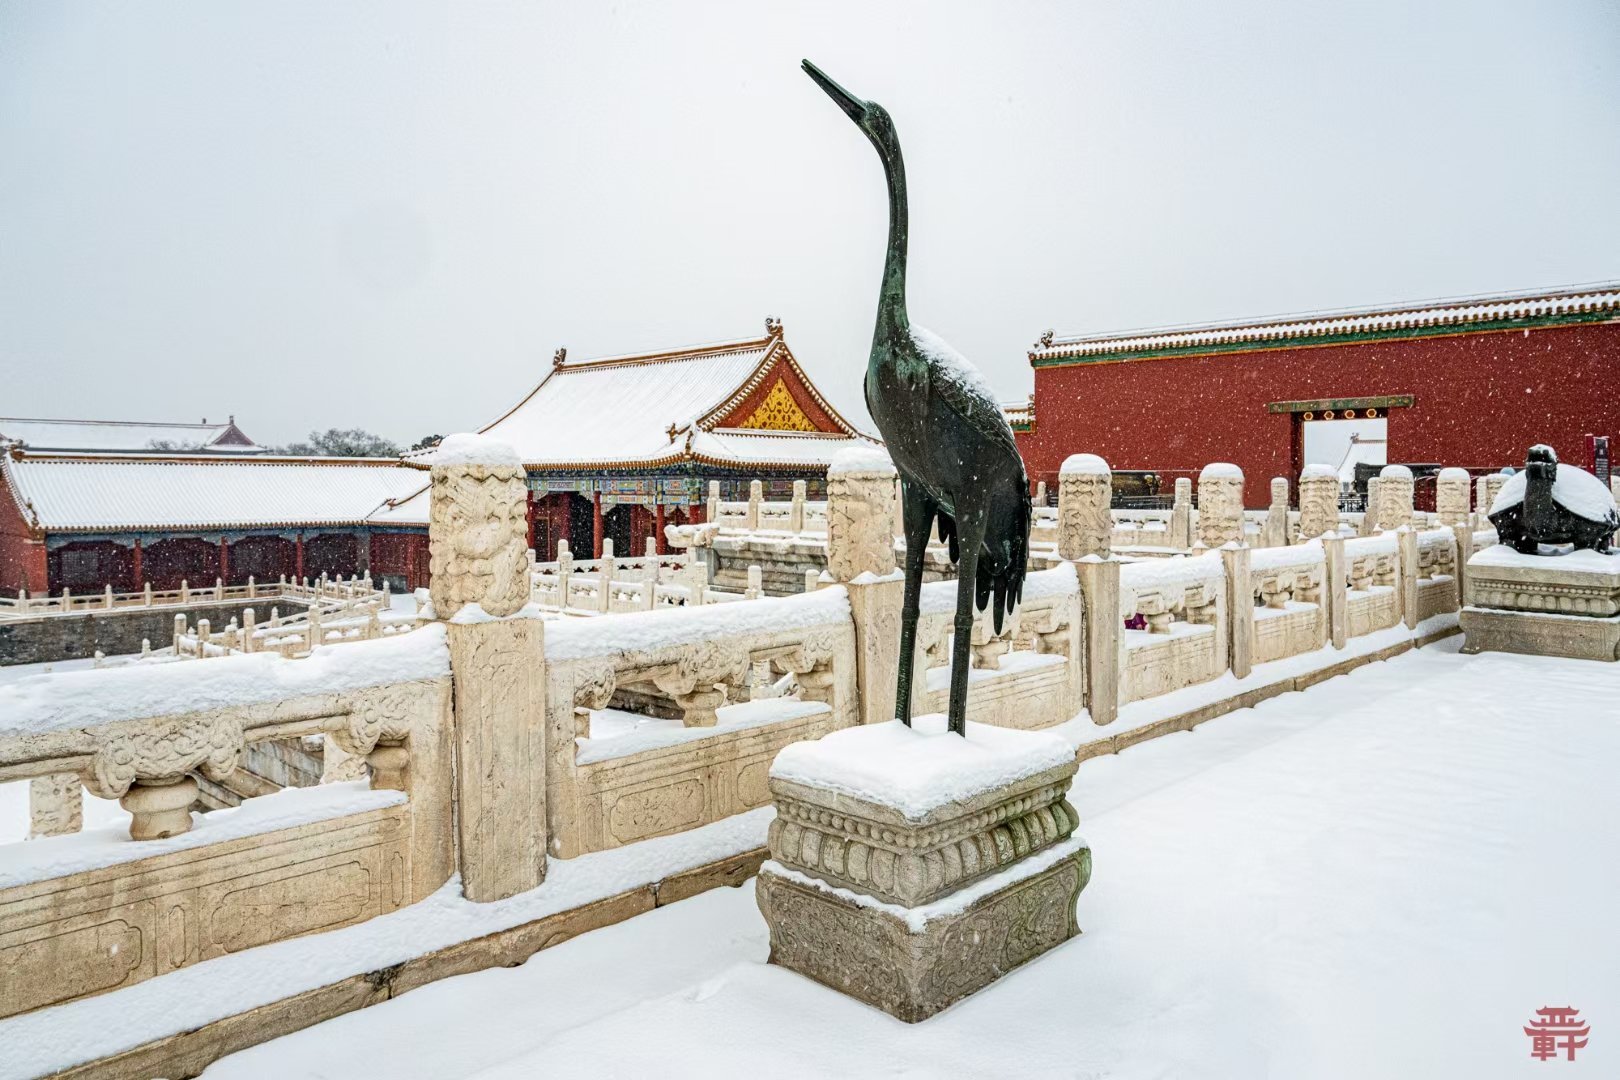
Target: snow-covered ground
x=1383 y=876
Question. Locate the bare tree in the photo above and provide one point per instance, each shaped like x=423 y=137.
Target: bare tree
x=342 y=442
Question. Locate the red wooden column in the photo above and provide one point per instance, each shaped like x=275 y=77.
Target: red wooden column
x=658 y=528
x=596 y=524
x=224 y=562
x=529 y=517
x=140 y=580
x=298 y=558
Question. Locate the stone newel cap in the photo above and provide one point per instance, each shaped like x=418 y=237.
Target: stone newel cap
x=1083 y=463
x=1395 y=472
x=917 y=770
x=861 y=459
x=469 y=449
x=1220 y=470
x=1312 y=472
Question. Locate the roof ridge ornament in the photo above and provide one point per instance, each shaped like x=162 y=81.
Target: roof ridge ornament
x=1046 y=339
x=558 y=357
x=773 y=326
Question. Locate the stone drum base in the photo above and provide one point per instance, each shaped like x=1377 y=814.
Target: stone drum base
x=1542 y=605
x=914 y=962
x=1531 y=633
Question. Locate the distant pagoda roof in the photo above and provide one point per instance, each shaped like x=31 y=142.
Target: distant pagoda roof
x=1429 y=318
x=733 y=403
x=126 y=436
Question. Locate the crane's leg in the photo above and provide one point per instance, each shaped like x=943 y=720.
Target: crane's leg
x=918 y=513
x=970 y=525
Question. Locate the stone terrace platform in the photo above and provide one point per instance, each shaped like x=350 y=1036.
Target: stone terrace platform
x=1384 y=875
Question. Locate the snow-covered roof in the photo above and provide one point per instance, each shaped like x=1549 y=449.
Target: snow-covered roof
x=406 y=510
x=126 y=492
x=125 y=435
x=1593 y=303
x=657 y=408
x=1019 y=413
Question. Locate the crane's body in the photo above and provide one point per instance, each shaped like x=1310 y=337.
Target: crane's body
x=948 y=438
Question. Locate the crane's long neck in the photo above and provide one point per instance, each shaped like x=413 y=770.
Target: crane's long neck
x=891 y=315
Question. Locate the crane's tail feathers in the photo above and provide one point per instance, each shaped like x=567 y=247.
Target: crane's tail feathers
x=1005 y=585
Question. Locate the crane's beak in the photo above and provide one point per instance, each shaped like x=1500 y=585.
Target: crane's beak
x=853 y=106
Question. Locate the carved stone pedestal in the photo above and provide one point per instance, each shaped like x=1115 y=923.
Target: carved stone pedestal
x=911 y=904
x=1543 y=605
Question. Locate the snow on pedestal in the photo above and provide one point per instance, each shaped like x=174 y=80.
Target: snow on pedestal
x=911 y=867
x=1542 y=605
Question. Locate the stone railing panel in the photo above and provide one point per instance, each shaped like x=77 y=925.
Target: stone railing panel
x=703 y=766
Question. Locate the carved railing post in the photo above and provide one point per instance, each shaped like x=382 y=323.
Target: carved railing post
x=476 y=545
x=796 y=510
x=1099 y=588
x=1407 y=550
x=1318 y=502
x=1181 y=533
x=714 y=502
x=1275 y=533
x=1394 y=503
x=1451 y=496
x=1490 y=488
x=1369 y=519
x=860 y=544
x=1220 y=505
x=604 y=576
x=756 y=495
x=1335 y=580
x=1239 y=610
x=1085 y=494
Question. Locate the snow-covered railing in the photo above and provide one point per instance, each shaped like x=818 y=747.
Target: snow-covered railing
x=616 y=583
x=662 y=721
x=799 y=514
x=337 y=613
x=1290 y=616
x=1438 y=583
x=68 y=603
x=148 y=736
x=1371 y=566
x=1030 y=675
x=1175 y=618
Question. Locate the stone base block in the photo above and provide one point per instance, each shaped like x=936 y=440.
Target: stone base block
x=1532 y=633
x=912 y=968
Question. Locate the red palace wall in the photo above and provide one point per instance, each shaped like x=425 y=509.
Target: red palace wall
x=401 y=554
x=22 y=558
x=1480 y=400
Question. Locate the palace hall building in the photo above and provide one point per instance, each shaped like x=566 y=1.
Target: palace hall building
x=85 y=520
x=1471 y=383
x=619 y=446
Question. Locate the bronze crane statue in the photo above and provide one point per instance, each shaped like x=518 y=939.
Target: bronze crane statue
x=948 y=438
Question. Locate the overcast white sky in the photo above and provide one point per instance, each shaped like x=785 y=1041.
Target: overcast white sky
x=389 y=215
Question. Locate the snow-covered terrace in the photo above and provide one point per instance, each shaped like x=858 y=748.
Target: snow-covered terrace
x=1383 y=876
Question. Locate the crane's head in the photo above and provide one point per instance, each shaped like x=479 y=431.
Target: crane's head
x=869 y=116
